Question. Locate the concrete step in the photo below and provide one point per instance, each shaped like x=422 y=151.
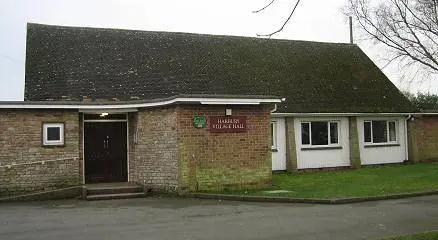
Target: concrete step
x=114 y=196
x=118 y=190
x=97 y=190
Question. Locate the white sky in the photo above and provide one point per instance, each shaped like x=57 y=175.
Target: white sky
x=314 y=20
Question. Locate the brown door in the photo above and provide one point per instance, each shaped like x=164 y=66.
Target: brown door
x=105 y=150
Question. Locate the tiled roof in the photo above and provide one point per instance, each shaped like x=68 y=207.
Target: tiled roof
x=76 y=63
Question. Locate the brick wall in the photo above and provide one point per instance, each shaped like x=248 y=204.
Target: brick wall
x=214 y=161
x=426 y=138
x=166 y=152
x=154 y=155
x=21 y=143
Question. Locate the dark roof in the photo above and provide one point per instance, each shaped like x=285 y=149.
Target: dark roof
x=68 y=63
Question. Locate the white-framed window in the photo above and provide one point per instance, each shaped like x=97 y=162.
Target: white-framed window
x=380 y=131
x=53 y=134
x=274 y=135
x=320 y=133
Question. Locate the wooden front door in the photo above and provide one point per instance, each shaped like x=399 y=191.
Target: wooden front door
x=105 y=152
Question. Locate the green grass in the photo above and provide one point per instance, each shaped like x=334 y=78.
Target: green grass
x=369 y=181
x=419 y=236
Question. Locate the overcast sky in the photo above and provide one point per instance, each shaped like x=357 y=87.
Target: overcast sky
x=315 y=20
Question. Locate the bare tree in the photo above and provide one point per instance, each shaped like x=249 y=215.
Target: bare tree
x=408 y=28
x=284 y=23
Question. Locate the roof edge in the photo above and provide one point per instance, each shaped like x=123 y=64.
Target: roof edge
x=107 y=28
x=342 y=114
x=134 y=104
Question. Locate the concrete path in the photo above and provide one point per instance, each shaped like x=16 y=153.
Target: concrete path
x=163 y=218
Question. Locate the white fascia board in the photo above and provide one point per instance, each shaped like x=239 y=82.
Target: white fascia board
x=337 y=114
x=425 y=113
x=228 y=103
x=84 y=107
x=231 y=101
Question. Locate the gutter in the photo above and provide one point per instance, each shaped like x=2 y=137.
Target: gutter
x=121 y=105
x=425 y=113
x=338 y=114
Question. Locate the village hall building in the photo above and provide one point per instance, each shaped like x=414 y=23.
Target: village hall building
x=181 y=112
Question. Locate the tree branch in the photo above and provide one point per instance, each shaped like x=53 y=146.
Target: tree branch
x=409 y=30
x=418 y=41
x=390 y=61
x=263 y=8
x=284 y=24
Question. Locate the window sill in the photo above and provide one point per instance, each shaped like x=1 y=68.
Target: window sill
x=382 y=145
x=53 y=145
x=321 y=148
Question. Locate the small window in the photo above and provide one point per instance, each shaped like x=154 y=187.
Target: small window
x=53 y=134
x=320 y=133
x=274 y=135
x=380 y=132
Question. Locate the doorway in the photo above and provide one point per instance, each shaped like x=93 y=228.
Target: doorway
x=105 y=151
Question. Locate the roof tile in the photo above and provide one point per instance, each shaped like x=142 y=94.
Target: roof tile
x=73 y=62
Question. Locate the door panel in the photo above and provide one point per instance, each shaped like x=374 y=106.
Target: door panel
x=105 y=150
x=279 y=155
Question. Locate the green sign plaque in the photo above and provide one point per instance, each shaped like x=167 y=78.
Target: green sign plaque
x=200 y=122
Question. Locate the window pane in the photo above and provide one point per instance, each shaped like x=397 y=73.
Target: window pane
x=319 y=133
x=392 y=132
x=305 y=139
x=334 y=132
x=367 y=131
x=53 y=133
x=273 y=135
x=379 y=132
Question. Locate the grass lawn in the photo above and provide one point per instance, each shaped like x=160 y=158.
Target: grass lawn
x=370 y=181
x=420 y=236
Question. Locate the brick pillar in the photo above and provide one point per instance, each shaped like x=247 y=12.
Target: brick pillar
x=291 y=146
x=412 y=142
x=355 y=161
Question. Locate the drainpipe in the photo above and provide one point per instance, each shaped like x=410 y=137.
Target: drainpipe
x=275 y=108
x=406 y=138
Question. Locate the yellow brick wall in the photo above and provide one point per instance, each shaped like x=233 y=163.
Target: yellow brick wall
x=21 y=143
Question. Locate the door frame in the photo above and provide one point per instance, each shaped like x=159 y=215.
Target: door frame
x=104 y=120
x=279 y=154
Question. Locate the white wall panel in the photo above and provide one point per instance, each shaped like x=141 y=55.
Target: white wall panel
x=323 y=158
x=382 y=154
x=279 y=157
